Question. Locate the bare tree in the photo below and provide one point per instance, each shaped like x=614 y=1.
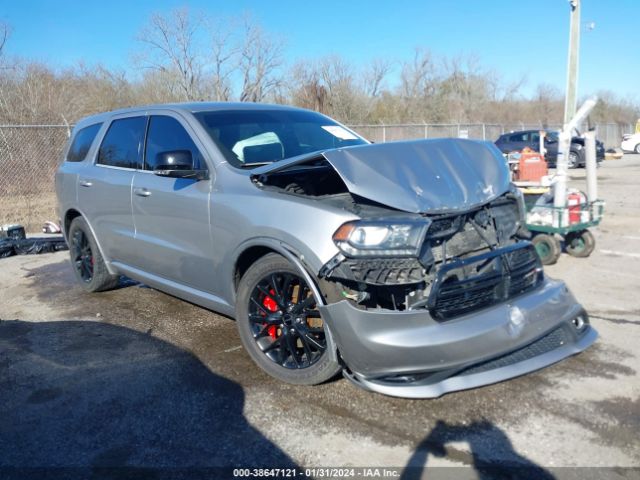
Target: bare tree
x=342 y=91
x=225 y=51
x=418 y=84
x=548 y=104
x=305 y=88
x=5 y=31
x=260 y=60
x=374 y=76
x=171 y=48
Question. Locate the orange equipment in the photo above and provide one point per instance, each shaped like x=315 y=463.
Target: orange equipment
x=531 y=167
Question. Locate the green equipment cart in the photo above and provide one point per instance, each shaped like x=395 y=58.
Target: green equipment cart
x=552 y=227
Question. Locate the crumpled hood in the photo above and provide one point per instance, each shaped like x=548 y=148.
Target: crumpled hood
x=422 y=176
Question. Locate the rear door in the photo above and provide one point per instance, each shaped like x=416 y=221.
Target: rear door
x=171 y=215
x=104 y=187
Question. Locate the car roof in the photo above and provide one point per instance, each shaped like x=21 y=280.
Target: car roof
x=536 y=130
x=516 y=132
x=191 y=107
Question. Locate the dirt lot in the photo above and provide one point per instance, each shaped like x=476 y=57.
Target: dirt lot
x=134 y=377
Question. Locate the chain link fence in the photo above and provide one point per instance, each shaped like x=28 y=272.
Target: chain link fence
x=609 y=133
x=29 y=156
x=28 y=160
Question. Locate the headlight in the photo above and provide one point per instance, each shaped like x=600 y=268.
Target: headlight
x=390 y=237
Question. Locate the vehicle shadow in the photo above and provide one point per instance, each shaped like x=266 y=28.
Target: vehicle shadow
x=83 y=399
x=491 y=451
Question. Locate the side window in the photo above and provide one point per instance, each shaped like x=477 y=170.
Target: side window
x=122 y=145
x=82 y=143
x=166 y=134
x=519 y=137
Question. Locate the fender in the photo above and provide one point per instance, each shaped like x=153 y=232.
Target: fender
x=297 y=260
x=107 y=261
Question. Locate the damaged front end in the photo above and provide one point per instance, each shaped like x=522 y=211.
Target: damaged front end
x=448 y=264
x=435 y=287
x=469 y=307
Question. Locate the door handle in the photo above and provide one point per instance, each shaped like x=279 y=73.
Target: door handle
x=142 y=192
x=86 y=183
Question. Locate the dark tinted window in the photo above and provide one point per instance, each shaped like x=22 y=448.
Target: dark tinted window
x=82 y=142
x=519 y=137
x=251 y=137
x=552 y=136
x=167 y=135
x=122 y=144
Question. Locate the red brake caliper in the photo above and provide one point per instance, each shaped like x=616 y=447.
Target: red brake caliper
x=271 y=305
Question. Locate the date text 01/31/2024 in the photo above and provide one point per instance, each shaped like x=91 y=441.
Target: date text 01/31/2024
x=321 y=472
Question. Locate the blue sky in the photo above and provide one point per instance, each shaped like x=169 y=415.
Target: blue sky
x=512 y=37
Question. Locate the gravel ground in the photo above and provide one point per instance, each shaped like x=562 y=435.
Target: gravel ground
x=137 y=378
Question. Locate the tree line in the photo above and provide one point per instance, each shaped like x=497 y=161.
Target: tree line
x=185 y=56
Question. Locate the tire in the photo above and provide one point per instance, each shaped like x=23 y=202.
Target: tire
x=287 y=341
x=637 y=149
x=580 y=244
x=86 y=260
x=547 y=247
x=574 y=159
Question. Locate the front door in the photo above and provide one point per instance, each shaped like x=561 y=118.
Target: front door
x=171 y=215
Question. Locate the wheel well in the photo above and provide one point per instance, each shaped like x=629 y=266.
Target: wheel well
x=68 y=218
x=248 y=258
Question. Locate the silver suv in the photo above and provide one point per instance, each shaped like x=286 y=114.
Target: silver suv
x=404 y=265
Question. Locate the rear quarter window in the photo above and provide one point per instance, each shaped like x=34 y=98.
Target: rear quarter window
x=82 y=143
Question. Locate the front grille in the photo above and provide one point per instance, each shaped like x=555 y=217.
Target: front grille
x=551 y=341
x=477 y=282
x=523 y=270
x=458 y=297
x=392 y=271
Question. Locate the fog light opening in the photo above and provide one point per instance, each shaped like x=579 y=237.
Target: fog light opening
x=578 y=322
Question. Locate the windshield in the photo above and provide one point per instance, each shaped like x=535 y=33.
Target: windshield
x=249 y=138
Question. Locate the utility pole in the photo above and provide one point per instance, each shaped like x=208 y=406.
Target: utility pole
x=571 y=98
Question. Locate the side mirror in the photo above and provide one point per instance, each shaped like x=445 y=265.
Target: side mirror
x=178 y=164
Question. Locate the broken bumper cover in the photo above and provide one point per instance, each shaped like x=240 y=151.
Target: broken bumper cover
x=409 y=354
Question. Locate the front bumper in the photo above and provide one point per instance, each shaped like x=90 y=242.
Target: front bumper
x=409 y=354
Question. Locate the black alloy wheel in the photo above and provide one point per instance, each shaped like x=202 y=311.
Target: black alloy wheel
x=280 y=325
x=285 y=322
x=82 y=256
x=87 y=262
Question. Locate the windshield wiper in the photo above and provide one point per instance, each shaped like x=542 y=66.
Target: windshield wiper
x=254 y=164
